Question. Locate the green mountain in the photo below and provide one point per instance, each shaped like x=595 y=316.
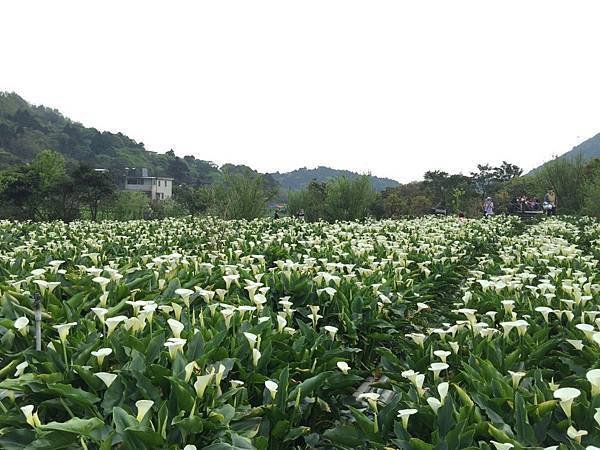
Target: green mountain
x=587 y=150
x=26 y=129
x=300 y=178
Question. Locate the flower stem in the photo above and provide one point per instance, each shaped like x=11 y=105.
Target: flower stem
x=64 y=346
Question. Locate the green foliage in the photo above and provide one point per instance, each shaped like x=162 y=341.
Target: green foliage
x=300 y=179
x=41 y=190
x=459 y=332
x=412 y=199
x=167 y=208
x=349 y=199
x=128 y=205
x=240 y=195
x=50 y=166
x=339 y=199
x=568 y=179
x=27 y=130
x=193 y=200
x=44 y=190
x=94 y=188
x=310 y=200
x=441 y=185
x=591 y=202
x=487 y=179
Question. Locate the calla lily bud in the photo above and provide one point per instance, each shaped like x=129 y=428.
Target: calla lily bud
x=31 y=416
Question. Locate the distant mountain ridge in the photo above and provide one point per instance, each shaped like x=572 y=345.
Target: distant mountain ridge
x=26 y=129
x=300 y=178
x=587 y=150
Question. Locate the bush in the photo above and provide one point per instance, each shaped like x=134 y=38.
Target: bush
x=567 y=178
x=339 y=199
x=591 y=202
x=128 y=205
x=167 y=208
x=241 y=195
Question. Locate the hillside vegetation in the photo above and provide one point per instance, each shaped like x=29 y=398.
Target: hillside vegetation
x=588 y=150
x=47 y=162
x=26 y=130
x=300 y=178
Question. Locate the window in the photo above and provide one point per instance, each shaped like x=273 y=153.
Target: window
x=135 y=181
x=159 y=182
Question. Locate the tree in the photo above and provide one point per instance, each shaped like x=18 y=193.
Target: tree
x=567 y=178
x=310 y=200
x=41 y=190
x=591 y=201
x=241 y=195
x=50 y=166
x=129 y=205
x=93 y=187
x=193 y=200
x=457 y=195
x=349 y=199
x=436 y=182
x=412 y=199
x=443 y=188
x=339 y=199
x=20 y=195
x=487 y=179
x=506 y=172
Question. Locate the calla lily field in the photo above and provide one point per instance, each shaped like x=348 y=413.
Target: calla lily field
x=200 y=333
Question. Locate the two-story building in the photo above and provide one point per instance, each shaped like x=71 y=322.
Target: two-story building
x=157 y=188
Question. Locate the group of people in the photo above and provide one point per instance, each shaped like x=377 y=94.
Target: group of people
x=299 y=215
x=523 y=203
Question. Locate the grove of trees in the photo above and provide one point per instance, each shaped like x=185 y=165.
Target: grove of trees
x=52 y=188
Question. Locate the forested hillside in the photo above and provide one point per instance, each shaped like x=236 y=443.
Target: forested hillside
x=300 y=178
x=26 y=130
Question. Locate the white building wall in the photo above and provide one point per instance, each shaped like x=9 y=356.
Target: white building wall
x=156 y=188
x=163 y=188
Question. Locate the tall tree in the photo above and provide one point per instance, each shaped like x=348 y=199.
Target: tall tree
x=487 y=179
x=242 y=195
x=93 y=188
x=41 y=190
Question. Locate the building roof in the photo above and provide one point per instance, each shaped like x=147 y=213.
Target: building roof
x=150 y=178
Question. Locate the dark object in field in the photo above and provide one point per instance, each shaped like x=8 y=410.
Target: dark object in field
x=37 y=306
x=439 y=209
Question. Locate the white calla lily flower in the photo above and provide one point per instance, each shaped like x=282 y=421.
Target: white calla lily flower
x=143 y=406
x=566 y=396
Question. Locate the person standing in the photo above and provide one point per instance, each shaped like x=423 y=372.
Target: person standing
x=488 y=207
x=550 y=202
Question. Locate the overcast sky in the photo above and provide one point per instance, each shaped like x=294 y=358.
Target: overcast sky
x=389 y=87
